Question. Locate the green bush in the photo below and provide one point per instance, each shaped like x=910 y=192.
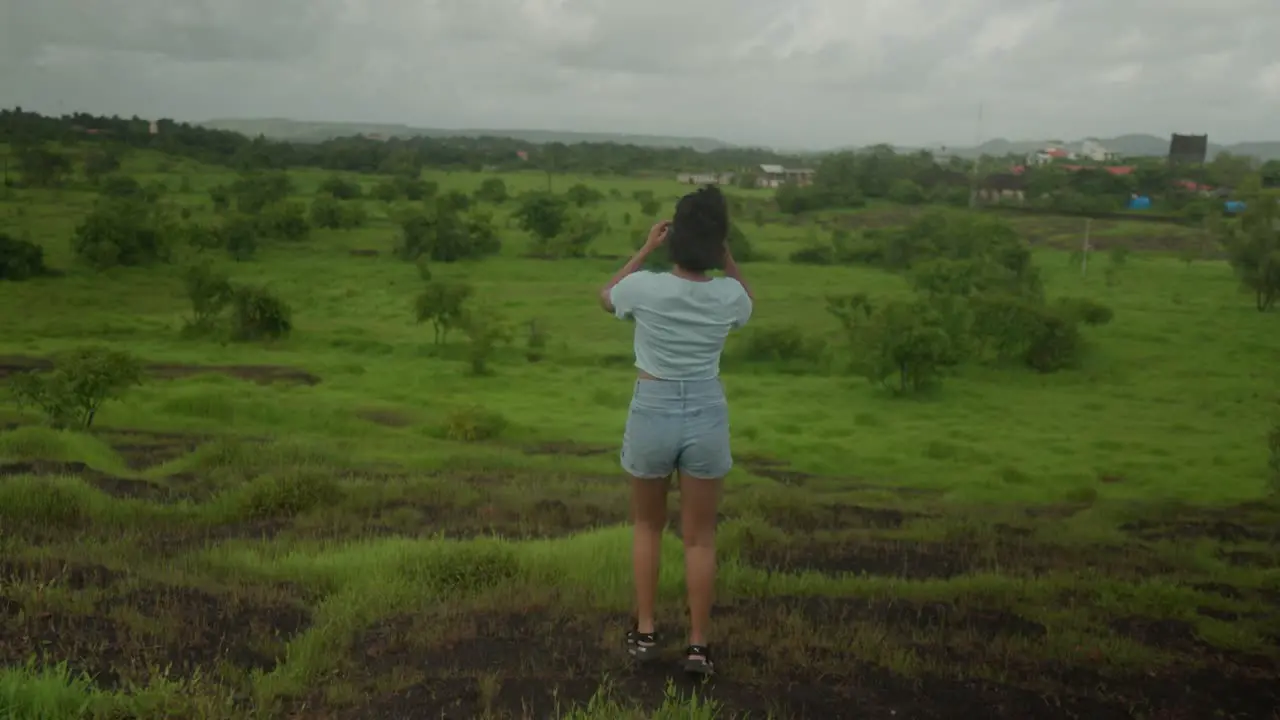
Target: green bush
x=20 y=259
x=259 y=314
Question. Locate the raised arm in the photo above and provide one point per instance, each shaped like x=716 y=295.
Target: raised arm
x=732 y=270
x=657 y=234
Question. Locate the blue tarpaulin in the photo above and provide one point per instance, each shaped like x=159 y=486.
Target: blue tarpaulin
x=1235 y=206
x=1141 y=202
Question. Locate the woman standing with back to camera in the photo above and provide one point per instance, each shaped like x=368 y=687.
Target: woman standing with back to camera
x=679 y=418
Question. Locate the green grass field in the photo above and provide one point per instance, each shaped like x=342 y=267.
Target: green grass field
x=287 y=530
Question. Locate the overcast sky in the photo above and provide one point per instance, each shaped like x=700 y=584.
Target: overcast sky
x=790 y=73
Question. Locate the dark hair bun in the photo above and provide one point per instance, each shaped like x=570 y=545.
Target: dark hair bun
x=699 y=230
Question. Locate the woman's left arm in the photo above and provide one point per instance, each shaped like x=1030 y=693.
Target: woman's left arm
x=656 y=235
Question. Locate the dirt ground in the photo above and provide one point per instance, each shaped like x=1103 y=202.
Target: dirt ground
x=974 y=654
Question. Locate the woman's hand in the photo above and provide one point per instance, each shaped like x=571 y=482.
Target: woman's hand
x=657 y=234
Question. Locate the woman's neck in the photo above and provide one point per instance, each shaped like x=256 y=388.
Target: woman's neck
x=689 y=274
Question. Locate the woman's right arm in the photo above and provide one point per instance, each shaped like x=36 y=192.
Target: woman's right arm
x=732 y=270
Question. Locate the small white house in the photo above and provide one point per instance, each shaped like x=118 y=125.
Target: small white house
x=725 y=178
x=1096 y=151
x=772 y=176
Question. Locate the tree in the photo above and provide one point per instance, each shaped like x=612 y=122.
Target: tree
x=492 y=190
x=99 y=162
x=255 y=191
x=583 y=195
x=20 y=259
x=542 y=215
x=339 y=188
x=41 y=167
x=903 y=344
x=79 y=384
x=906 y=192
x=327 y=212
x=442 y=303
x=1253 y=247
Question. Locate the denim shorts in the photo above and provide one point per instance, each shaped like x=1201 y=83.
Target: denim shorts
x=677 y=425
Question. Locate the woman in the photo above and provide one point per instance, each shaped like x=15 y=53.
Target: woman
x=679 y=419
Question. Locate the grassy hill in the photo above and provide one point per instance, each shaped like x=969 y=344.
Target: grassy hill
x=349 y=522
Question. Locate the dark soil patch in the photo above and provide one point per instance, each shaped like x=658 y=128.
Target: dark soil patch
x=75 y=576
x=107 y=483
x=384 y=417
x=127 y=639
x=805 y=519
x=785 y=657
x=543 y=519
x=142 y=449
x=920 y=560
x=261 y=374
x=363 y=252
x=1227 y=591
x=1256 y=522
x=1252 y=558
x=880 y=557
x=781 y=472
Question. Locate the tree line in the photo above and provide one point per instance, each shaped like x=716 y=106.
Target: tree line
x=395 y=156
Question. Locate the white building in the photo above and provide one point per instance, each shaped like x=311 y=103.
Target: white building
x=772 y=176
x=1096 y=151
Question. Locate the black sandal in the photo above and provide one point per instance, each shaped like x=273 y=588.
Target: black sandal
x=643 y=647
x=697 y=661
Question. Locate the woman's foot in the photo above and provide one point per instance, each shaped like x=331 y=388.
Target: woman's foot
x=642 y=646
x=697 y=661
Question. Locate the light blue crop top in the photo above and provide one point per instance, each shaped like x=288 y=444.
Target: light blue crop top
x=681 y=325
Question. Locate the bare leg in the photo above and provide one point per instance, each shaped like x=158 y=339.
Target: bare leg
x=649 y=518
x=699 y=502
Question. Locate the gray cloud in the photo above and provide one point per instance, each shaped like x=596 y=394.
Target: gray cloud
x=805 y=73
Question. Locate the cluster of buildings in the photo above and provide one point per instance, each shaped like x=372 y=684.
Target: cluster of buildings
x=765 y=176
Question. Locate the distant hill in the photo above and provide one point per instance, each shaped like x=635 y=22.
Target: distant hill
x=1137 y=145
x=304 y=131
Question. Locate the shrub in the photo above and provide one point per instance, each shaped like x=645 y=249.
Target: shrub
x=905 y=345
x=583 y=195
x=286 y=495
x=474 y=424
x=20 y=259
x=771 y=344
x=209 y=292
x=327 y=212
x=256 y=191
x=238 y=235
x=1086 y=311
x=284 y=221
x=72 y=393
x=1045 y=338
x=492 y=190
x=259 y=314
x=340 y=188
x=536 y=339
x=485 y=329
x=124 y=231
x=122 y=186
x=815 y=254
